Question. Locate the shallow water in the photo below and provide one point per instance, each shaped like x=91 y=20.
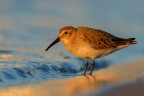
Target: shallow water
x=16 y=70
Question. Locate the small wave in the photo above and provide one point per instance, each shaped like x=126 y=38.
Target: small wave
x=36 y=71
x=6 y=52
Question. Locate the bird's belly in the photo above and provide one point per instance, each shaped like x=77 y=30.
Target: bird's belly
x=88 y=52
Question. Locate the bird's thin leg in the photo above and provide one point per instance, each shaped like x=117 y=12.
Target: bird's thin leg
x=85 y=67
x=93 y=65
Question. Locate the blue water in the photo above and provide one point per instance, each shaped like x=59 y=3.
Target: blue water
x=17 y=72
x=27 y=28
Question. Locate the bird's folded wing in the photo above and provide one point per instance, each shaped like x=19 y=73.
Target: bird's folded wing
x=101 y=40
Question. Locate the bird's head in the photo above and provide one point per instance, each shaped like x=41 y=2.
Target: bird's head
x=65 y=34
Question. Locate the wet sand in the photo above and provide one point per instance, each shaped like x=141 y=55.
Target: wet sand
x=113 y=79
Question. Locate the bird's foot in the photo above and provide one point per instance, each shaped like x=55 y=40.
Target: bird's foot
x=90 y=74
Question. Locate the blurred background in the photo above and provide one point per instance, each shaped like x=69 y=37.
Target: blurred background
x=27 y=27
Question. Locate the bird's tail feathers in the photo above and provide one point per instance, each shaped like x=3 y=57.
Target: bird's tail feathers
x=126 y=42
x=131 y=41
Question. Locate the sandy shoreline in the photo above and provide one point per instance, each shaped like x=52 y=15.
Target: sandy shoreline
x=114 y=75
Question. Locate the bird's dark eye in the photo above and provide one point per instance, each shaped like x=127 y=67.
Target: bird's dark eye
x=65 y=32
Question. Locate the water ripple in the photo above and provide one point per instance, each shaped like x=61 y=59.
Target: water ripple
x=32 y=71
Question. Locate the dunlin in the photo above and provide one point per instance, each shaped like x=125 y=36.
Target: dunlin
x=90 y=43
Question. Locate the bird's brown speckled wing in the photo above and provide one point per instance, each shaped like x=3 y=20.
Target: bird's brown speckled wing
x=99 y=39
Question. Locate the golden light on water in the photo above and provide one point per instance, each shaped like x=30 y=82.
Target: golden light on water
x=62 y=87
x=6 y=56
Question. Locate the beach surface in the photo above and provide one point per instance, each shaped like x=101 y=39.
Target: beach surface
x=116 y=80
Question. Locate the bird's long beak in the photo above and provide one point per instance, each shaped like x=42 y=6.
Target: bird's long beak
x=54 y=42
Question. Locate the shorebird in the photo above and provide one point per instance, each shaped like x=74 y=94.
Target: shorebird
x=90 y=43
